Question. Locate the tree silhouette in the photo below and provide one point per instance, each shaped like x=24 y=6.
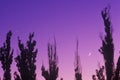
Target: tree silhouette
x=99 y=74
x=26 y=59
x=78 y=69
x=6 y=55
x=107 y=49
x=52 y=73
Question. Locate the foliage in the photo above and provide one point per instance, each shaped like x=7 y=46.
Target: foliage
x=52 y=73
x=26 y=59
x=6 y=56
x=99 y=74
x=107 y=49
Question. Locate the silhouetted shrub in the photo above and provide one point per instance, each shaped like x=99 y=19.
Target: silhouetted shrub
x=94 y=77
x=99 y=74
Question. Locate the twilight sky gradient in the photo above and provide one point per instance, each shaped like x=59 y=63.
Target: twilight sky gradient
x=66 y=19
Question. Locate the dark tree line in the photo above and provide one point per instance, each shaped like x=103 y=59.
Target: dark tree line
x=26 y=58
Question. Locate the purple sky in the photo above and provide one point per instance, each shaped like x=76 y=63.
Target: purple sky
x=66 y=20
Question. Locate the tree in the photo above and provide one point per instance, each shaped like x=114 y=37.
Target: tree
x=107 y=49
x=78 y=69
x=99 y=74
x=52 y=73
x=6 y=56
x=26 y=59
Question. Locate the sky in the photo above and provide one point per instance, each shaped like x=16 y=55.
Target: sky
x=66 y=20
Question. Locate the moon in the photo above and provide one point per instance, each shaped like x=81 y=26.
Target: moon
x=89 y=54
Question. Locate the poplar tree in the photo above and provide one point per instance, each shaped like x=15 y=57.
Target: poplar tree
x=107 y=49
x=52 y=72
x=6 y=57
x=26 y=59
x=78 y=68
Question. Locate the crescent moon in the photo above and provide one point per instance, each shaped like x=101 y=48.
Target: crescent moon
x=89 y=54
